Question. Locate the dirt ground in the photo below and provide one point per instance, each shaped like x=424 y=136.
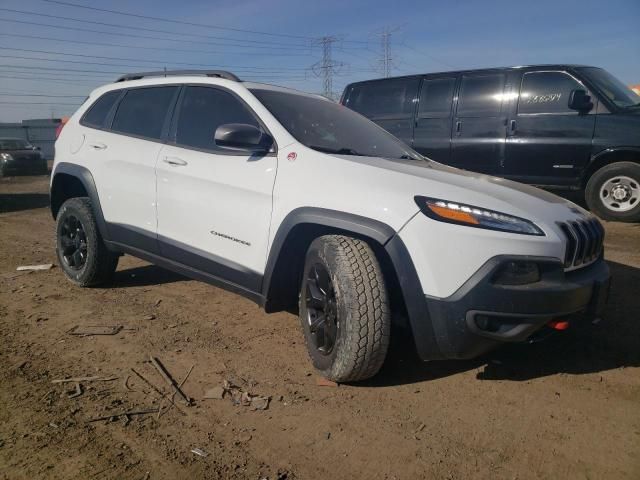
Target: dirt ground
x=565 y=408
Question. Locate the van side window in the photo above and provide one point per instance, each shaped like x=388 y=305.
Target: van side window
x=481 y=95
x=384 y=98
x=203 y=110
x=546 y=92
x=436 y=97
x=142 y=111
x=97 y=113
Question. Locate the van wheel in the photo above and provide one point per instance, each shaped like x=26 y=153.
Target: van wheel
x=344 y=309
x=81 y=252
x=613 y=192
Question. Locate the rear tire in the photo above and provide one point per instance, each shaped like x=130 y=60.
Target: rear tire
x=344 y=309
x=613 y=192
x=81 y=252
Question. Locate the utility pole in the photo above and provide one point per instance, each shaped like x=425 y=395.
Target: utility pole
x=326 y=68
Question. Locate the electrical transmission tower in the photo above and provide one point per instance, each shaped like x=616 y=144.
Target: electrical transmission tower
x=385 y=61
x=327 y=68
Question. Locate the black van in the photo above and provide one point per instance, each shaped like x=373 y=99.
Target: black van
x=555 y=126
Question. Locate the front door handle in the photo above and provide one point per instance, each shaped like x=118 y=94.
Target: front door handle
x=512 y=126
x=98 y=146
x=174 y=161
x=458 y=126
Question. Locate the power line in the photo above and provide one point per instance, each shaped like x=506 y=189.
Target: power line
x=154 y=30
x=164 y=49
x=39 y=95
x=180 y=22
x=132 y=35
x=155 y=62
x=39 y=103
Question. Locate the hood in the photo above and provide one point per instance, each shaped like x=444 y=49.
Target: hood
x=433 y=179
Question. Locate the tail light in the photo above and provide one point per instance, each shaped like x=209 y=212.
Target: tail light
x=60 y=126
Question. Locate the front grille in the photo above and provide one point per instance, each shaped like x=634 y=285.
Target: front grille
x=585 y=240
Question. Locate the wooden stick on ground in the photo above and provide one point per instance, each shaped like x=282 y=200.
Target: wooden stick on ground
x=157 y=390
x=169 y=379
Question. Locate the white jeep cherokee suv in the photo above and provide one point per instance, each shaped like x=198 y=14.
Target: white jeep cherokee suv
x=301 y=204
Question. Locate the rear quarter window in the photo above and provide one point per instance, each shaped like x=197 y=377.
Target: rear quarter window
x=385 y=98
x=98 y=112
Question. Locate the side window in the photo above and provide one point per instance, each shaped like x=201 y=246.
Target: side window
x=97 y=113
x=384 y=98
x=481 y=95
x=203 y=110
x=436 y=97
x=546 y=92
x=142 y=111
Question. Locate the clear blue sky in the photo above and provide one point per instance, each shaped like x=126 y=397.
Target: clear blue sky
x=426 y=36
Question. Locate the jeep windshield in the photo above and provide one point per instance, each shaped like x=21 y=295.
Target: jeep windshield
x=329 y=127
x=616 y=91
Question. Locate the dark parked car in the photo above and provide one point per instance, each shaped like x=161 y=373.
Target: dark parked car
x=555 y=126
x=19 y=156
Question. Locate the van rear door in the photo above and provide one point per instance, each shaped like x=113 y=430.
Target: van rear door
x=480 y=123
x=388 y=102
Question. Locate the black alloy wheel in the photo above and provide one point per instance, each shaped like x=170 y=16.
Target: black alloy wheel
x=322 y=309
x=73 y=241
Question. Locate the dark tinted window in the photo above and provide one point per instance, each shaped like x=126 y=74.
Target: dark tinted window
x=546 y=92
x=436 y=97
x=481 y=95
x=203 y=110
x=142 y=111
x=613 y=88
x=389 y=98
x=329 y=127
x=97 y=113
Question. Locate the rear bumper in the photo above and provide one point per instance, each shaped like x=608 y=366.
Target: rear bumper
x=481 y=315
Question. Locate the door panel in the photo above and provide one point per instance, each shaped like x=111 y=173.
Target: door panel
x=432 y=132
x=548 y=143
x=214 y=204
x=479 y=127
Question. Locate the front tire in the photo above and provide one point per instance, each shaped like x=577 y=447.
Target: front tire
x=344 y=309
x=613 y=192
x=82 y=254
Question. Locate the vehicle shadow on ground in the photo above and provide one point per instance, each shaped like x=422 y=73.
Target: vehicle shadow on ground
x=144 y=276
x=15 y=202
x=612 y=343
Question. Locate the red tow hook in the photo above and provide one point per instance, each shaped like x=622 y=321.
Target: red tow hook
x=559 y=324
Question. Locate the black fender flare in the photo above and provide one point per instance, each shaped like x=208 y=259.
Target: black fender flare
x=595 y=162
x=387 y=238
x=83 y=175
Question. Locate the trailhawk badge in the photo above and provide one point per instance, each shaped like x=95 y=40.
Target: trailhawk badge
x=292 y=156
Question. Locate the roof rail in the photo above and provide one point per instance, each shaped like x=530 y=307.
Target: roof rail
x=173 y=73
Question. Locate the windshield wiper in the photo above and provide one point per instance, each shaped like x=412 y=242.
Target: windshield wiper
x=338 y=151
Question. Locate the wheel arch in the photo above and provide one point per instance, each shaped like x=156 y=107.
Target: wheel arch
x=296 y=232
x=609 y=156
x=70 y=180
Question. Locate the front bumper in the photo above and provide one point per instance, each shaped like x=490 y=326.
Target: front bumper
x=482 y=314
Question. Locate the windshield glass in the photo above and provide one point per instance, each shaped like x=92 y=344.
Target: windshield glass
x=613 y=88
x=14 y=144
x=326 y=126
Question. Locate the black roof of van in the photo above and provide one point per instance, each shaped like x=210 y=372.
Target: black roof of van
x=475 y=70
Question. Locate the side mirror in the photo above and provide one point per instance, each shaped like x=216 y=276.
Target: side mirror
x=580 y=101
x=242 y=137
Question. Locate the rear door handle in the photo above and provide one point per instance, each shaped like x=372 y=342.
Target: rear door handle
x=98 y=146
x=458 y=126
x=174 y=161
x=512 y=126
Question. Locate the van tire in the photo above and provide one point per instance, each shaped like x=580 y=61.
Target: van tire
x=98 y=264
x=356 y=298
x=599 y=197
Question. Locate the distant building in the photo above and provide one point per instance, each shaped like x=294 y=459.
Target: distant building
x=40 y=132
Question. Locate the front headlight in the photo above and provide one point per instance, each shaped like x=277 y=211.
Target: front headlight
x=6 y=157
x=460 y=214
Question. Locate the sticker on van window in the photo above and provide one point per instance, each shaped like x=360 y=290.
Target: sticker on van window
x=548 y=98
